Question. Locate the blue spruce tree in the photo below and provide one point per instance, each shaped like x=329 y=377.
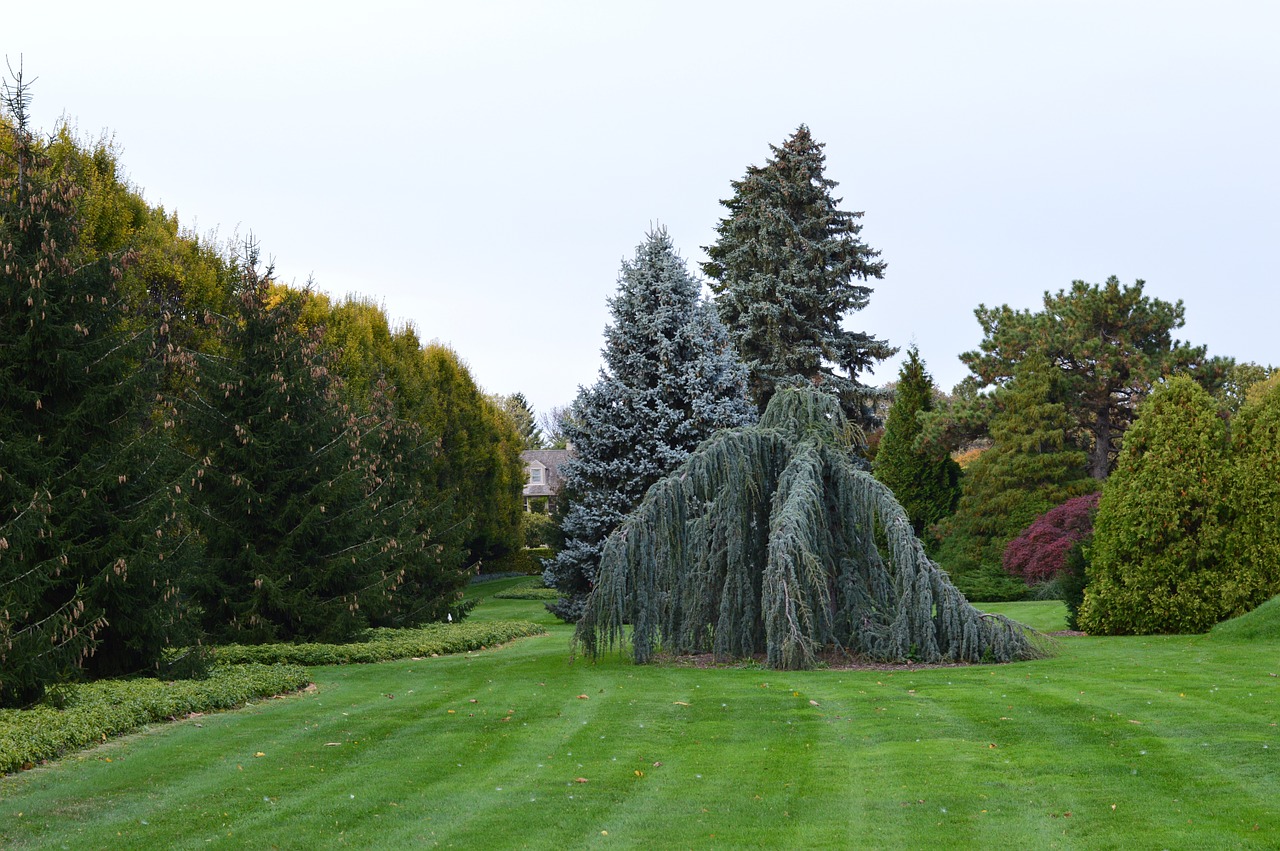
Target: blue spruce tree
x=669 y=381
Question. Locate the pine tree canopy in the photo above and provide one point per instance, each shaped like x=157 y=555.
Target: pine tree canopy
x=1031 y=467
x=768 y=540
x=669 y=381
x=783 y=268
x=1108 y=343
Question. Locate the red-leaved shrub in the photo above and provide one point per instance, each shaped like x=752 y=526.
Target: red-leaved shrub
x=1040 y=552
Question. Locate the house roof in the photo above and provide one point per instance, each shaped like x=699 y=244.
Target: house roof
x=550 y=460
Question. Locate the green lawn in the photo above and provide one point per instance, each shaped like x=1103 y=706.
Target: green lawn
x=1165 y=742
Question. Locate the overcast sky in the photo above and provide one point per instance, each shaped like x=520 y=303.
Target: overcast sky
x=483 y=168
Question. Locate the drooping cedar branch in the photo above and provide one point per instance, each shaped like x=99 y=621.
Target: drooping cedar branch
x=769 y=540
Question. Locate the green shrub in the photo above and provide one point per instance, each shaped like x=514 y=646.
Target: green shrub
x=384 y=645
x=529 y=592
x=75 y=716
x=1157 y=563
x=538 y=528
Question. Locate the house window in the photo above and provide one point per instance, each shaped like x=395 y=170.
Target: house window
x=535 y=476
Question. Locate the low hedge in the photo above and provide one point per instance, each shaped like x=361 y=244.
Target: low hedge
x=384 y=645
x=528 y=593
x=92 y=712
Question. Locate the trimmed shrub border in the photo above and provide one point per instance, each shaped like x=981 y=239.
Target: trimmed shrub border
x=92 y=712
x=385 y=645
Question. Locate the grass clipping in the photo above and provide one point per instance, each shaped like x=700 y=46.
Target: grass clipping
x=768 y=540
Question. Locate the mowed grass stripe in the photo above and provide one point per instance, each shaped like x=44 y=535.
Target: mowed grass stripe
x=776 y=770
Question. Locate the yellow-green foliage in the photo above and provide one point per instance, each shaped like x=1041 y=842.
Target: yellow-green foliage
x=94 y=711
x=1157 y=560
x=383 y=645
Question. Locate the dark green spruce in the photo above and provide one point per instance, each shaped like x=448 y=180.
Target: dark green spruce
x=91 y=537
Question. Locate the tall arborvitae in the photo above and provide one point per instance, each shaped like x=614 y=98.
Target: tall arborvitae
x=1030 y=468
x=294 y=546
x=90 y=536
x=670 y=380
x=768 y=540
x=1159 y=561
x=479 y=459
x=783 y=268
x=925 y=480
x=473 y=470
x=1253 y=495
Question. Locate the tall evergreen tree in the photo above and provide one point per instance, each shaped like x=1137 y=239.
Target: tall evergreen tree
x=516 y=407
x=295 y=546
x=926 y=481
x=784 y=267
x=479 y=459
x=91 y=539
x=1030 y=468
x=669 y=381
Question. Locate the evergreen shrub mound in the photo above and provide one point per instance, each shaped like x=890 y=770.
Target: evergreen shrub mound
x=1039 y=554
x=534 y=590
x=1258 y=625
x=1159 y=561
x=384 y=645
x=92 y=712
x=769 y=540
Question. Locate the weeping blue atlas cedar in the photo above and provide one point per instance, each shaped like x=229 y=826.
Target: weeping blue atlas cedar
x=768 y=540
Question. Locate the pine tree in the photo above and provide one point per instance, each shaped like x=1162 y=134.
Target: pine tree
x=769 y=540
x=926 y=483
x=1030 y=468
x=516 y=407
x=295 y=549
x=783 y=269
x=1109 y=344
x=91 y=539
x=1159 y=561
x=669 y=381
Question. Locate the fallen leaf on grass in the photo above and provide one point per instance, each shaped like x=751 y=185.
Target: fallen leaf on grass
x=814 y=703
x=580 y=780
x=583 y=697
x=259 y=753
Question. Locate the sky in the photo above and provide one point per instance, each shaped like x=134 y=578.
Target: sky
x=482 y=169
